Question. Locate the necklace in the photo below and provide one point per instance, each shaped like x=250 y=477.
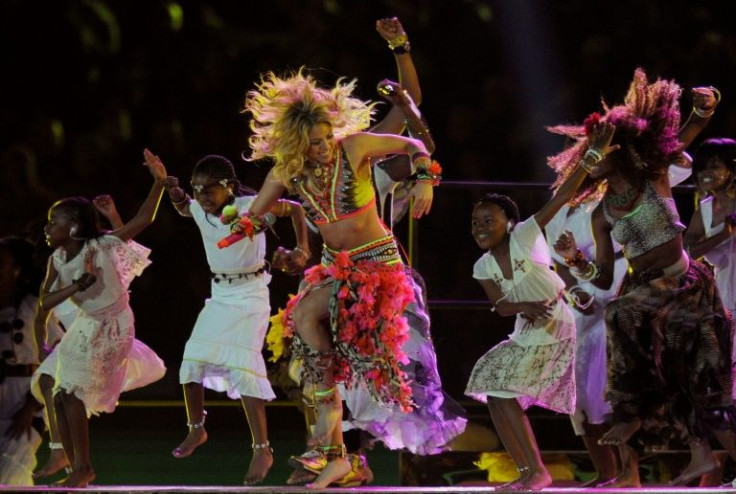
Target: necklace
x=322 y=176
x=623 y=200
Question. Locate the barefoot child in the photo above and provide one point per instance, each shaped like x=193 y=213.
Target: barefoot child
x=535 y=365
x=224 y=350
x=94 y=270
x=144 y=366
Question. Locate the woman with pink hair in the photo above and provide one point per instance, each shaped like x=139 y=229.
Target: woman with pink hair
x=669 y=337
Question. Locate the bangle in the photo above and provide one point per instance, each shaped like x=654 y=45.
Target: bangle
x=594 y=153
x=181 y=201
x=704 y=113
x=572 y=297
x=400 y=44
x=590 y=273
x=301 y=251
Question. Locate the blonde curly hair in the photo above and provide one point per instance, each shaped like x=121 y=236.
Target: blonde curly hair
x=647 y=129
x=285 y=109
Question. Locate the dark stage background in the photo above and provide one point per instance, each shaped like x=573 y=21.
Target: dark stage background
x=86 y=85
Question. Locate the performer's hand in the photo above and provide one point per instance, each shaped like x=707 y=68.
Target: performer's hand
x=291 y=262
x=565 y=245
x=390 y=28
x=705 y=99
x=601 y=136
x=155 y=165
x=423 y=193
x=105 y=205
x=394 y=93
x=537 y=311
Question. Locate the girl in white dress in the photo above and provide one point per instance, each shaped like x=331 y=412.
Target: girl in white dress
x=223 y=352
x=144 y=366
x=94 y=270
x=535 y=365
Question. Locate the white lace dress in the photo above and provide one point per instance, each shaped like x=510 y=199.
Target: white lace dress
x=536 y=364
x=93 y=355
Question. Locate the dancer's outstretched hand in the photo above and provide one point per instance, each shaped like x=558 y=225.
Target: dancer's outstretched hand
x=155 y=165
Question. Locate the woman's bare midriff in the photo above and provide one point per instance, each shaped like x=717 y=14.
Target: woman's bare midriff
x=354 y=231
x=659 y=257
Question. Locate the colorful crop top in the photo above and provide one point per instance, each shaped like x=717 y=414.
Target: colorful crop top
x=654 y=222
x=345 y=194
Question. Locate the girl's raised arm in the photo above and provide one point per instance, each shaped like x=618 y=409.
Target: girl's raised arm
x=147 y=212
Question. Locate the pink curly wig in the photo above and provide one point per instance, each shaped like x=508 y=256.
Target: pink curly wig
x=647 y=127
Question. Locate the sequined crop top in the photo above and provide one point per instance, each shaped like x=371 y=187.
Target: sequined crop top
x=654 y=222
x=345 y=194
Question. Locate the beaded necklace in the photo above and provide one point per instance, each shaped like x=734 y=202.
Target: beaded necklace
x=624 y=200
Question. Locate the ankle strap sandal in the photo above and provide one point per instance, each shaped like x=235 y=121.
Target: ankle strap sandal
x=325 y=396
x=198 y=425
x=334 y=452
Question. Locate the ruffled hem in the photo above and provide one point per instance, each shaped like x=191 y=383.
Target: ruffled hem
x=143 y=368
x=94 y=405
x=411 y=431
x=235 y=382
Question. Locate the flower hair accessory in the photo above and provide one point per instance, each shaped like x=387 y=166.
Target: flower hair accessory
x=590 y=122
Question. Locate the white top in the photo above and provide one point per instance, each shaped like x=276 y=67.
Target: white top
x=533 y=281
x=721 y=257
x=244 y=255
x=115 y=265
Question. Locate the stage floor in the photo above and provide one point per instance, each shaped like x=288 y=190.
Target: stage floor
x=131 y=452
x=141 y=489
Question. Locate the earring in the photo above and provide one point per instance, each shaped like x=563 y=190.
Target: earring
x=509 y=226
x=73 y=231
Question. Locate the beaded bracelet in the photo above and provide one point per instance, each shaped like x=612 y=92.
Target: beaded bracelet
x=578 y=258
x=427 y=170
x=400 y=44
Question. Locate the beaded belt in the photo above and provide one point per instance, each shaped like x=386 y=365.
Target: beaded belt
x=383 y=250
x=234 y=277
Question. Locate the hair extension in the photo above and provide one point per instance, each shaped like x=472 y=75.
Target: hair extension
x=647 y=127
